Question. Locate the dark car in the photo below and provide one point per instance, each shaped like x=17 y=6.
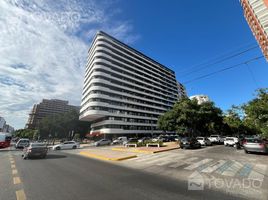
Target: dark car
x=255 y=145
x=190 y=143
x=35 y=150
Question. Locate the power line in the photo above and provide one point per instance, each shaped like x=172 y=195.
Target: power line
x=224 y=69
x=218 y=57
x=220 y=61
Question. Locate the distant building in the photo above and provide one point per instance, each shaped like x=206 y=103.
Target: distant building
x=9 y=129
x=200 y=98
x=2 y=124
x=181 y=90
x=256 y=14
x=4 y=127
x=47 y=108
x=124 y=90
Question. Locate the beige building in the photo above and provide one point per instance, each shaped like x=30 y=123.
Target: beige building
x=47 y=108
x=256 y=14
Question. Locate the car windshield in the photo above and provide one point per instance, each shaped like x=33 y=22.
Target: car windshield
x=200 y=138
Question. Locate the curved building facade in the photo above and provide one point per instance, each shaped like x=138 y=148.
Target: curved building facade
x=124 y=91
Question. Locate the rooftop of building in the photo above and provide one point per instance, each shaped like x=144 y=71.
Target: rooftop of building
x=132 y=49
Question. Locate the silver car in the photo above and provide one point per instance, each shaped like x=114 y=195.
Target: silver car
x=255 y=145
x=103 y=142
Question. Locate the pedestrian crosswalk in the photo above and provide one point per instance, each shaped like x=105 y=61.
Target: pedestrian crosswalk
x=228 y=168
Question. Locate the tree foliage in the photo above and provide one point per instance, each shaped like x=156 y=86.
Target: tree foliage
x=64 y=125
x=25 y=133
x=256 y=113
x=188 y=117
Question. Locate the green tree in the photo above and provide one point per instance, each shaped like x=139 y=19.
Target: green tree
x=61 y=125
x=188 y=117
x=256 y=113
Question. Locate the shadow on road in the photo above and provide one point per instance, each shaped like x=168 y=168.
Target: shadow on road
x=55 y=156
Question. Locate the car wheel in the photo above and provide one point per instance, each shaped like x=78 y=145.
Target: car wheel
x=74 y=147
x=57 y=148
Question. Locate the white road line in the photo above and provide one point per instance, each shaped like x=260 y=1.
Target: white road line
x=141 y=157
x=157 y=160
x=164 y=162
x=233 y=169
x=258 y=172
x=183 y=162
x=190 y=159
x=198 y=164
x=214 y=166
x=151 y=157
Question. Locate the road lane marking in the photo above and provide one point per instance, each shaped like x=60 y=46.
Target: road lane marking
x=164 y=162
x=258 y=172
x=224 y=167
x=233 y=169
x=20 y=194
x=183 y=162
x=13 y=166
x=14 y=171
x=198 y=164
x=150 y=158
x=246 y=170
x=12 y=161
x=211 y=168
x=16 y=180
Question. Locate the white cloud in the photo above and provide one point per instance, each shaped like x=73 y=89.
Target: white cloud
x=43 y=49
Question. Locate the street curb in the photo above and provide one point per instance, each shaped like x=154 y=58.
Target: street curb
x=91 y=155
x=143 y=151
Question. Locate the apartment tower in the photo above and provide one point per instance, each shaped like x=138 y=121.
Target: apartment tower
x=124 y=90
x=256 y=14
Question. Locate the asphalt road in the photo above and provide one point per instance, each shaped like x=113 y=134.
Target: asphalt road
x=64 y=176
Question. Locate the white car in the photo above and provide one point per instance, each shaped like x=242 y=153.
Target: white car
x=66 y=145
x=230 y=141
x=204 y=141
x=120 y=140
x=216 y=139
x=102 y=142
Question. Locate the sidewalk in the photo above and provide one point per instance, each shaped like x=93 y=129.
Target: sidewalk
x=106 y=154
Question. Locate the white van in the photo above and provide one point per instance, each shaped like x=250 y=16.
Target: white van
x=120 y=140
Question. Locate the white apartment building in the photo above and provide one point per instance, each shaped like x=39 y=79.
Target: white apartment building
x=200 y=98
x=124 y=91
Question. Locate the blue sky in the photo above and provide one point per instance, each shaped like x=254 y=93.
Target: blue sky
x=44 y=45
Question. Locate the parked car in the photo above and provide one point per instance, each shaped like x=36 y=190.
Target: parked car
x=131 y=140
x=158 y=139
x=119 y=140
x=255 y=145
x=23 y=142
x=66 y=145
x=38 y=150
x=231 y=141
x=144 y=139
x=103 y=142
x=190 y=143
x=216 y=139
x=204 y=141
